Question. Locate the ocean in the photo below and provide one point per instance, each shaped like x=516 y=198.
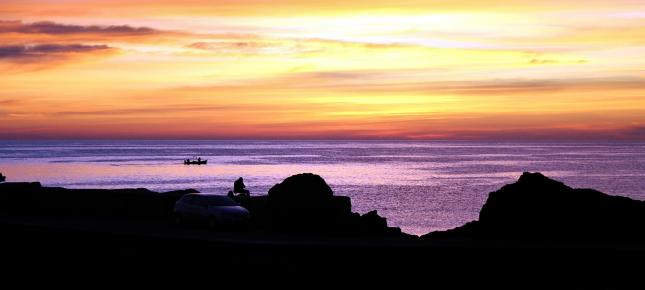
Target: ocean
x=420 y=186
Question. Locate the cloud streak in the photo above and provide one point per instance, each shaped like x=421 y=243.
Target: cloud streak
x=47 y=51
x=396 y=81
x=48 y=27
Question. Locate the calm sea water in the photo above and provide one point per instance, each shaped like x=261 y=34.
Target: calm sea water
x=418 y=186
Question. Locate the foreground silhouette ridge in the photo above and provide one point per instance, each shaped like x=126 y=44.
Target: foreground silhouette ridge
x=528 y=227
x=538 y=208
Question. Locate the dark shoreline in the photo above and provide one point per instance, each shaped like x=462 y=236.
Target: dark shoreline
x=583 y=230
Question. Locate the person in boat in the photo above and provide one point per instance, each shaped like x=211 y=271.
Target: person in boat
x=2 y=177
x=240 y=188
x=199 y=159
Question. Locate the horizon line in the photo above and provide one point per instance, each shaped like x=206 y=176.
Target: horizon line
x=329 y=139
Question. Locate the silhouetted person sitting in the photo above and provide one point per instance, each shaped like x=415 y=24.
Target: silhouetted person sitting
x=239 y=187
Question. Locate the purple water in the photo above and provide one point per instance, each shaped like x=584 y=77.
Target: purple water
x=418 y=186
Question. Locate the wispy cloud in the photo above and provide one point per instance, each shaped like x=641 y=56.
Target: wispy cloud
x=404 y=81
x=150 y=110
x=42 y=32
x=8 y=102
x=41 y=52
x=48 y=27
x=255 y=47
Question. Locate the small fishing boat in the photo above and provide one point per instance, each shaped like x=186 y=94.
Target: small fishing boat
x=197 y=161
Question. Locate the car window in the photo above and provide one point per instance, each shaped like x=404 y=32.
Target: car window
x=187 y=198
x=218 y=200
x=202 y=200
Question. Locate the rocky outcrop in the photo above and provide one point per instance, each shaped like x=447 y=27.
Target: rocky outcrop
x=301 y=203
x=533 y=208
x=33 y=199
x=538 y=208
x=305 y=203
x=371 y=222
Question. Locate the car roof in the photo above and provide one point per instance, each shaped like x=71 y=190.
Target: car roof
x=210 y=198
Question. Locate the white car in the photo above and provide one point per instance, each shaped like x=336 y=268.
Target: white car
x=214 y=210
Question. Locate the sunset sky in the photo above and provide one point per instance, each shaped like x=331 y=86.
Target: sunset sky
x=378 y=69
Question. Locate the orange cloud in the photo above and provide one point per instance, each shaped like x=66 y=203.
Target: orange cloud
x=322 y=69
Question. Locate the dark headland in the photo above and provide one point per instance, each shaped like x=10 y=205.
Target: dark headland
x=534 y=224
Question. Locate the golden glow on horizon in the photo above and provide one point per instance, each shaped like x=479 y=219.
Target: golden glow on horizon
x=327 y=69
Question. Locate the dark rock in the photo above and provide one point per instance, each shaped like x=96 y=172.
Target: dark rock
x=342 y=205
x=372 y=222
x=32 y=198
x=256 y=205
x=304 y=186
x=176 y=194
x=306 y=203
x=20 y=186
x=539 y=208
x=375 y=225
x=303 y=202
